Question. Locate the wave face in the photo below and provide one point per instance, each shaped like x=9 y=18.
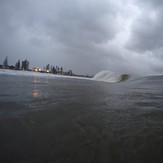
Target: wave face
x=109 y=76
x=123 y=77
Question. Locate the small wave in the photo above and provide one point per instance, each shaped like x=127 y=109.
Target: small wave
x=108 y=76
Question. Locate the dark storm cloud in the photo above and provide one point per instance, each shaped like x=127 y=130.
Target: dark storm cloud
x=146 y=36
x=72 y=28
x=84 y=35
x=146 y=30
x=146 y=33
x=78 y=23
x=153 y=3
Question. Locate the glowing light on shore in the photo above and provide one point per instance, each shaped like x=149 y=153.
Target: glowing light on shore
x=36 y=69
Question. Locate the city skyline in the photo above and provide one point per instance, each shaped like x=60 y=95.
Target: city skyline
x=24 y=65
x=88 y=36
x=21 y=64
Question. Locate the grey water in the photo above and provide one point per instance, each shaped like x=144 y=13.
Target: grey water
x=53 y=119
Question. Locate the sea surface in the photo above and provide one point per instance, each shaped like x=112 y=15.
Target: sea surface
x=47 y=118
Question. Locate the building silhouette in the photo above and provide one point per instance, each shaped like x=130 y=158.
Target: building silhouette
x=5 y=63
x=25 y=65
x=17 y=65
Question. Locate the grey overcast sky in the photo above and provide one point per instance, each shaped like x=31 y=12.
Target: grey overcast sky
x=87 y=36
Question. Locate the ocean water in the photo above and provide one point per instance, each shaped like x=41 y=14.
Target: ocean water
x=48 y=118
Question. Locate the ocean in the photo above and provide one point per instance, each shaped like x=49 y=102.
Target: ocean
x=47 y=118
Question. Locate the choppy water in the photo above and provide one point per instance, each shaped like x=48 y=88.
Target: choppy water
x=45 y=118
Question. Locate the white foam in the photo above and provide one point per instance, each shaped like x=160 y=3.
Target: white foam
x=106 y=76
x=34 y=74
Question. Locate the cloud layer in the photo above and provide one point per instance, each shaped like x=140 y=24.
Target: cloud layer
x=86 y=36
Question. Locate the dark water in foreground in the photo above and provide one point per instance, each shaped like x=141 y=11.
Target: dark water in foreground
x=64 y=120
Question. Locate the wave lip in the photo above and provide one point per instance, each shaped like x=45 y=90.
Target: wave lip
x=123 y=77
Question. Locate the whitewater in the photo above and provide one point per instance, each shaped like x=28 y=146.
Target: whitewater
x=54 y=118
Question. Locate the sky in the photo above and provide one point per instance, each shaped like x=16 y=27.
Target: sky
x=86 y=36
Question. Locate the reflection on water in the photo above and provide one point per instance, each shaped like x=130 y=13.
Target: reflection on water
x=36 y=90
x=36 y=93
x=40 y=87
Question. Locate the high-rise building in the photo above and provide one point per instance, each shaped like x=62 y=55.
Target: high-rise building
x=17 y=65
x=25 y=65
x=5 y=63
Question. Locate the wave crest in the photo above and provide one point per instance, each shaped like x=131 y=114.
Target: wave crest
x=109 y=76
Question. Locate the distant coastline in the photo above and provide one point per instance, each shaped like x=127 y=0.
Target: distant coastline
x=12 y=68
x=49 y=69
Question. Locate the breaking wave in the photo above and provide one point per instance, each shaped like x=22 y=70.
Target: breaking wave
x=108 y=76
